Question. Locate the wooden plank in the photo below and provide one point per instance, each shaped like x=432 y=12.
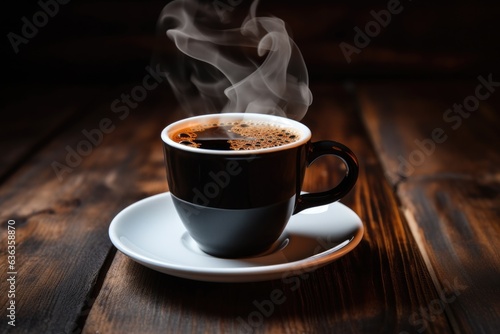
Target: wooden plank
x=450 y=197
x=455 y=222
x=381 y=286
x=416 y=133
x=61 y=225
x=32 y=116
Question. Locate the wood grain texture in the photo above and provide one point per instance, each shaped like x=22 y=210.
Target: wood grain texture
x=381 y=286
x=456 y=224
x=451 y=197
x=416 y=133
x=429 y=259
x=32 y=116
x=61 y=226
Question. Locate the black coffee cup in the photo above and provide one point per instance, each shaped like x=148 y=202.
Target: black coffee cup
x=236 y=203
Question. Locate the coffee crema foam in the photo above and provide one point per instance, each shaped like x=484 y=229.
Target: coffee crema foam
x=236 y=135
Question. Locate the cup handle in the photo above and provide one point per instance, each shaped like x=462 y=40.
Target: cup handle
x=317 y=150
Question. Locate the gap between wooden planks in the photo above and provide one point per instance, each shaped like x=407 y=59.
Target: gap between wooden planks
x=449 y=189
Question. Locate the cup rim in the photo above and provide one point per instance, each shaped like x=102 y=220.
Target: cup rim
x=305 y=133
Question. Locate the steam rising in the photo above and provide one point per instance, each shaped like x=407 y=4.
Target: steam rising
x=253 y=67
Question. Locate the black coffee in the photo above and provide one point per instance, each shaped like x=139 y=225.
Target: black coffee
x=236 y=135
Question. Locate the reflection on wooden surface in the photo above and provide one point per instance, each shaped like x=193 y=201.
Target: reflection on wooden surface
x=428 y=190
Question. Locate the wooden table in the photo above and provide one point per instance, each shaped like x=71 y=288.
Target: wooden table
x=428 y=195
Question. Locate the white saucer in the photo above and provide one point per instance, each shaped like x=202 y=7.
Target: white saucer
x=150 y=232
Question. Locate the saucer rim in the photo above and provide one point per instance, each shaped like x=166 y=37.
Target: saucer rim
x=235 y=274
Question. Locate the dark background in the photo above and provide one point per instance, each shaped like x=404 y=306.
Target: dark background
x=64 y=81
x=112 y=41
